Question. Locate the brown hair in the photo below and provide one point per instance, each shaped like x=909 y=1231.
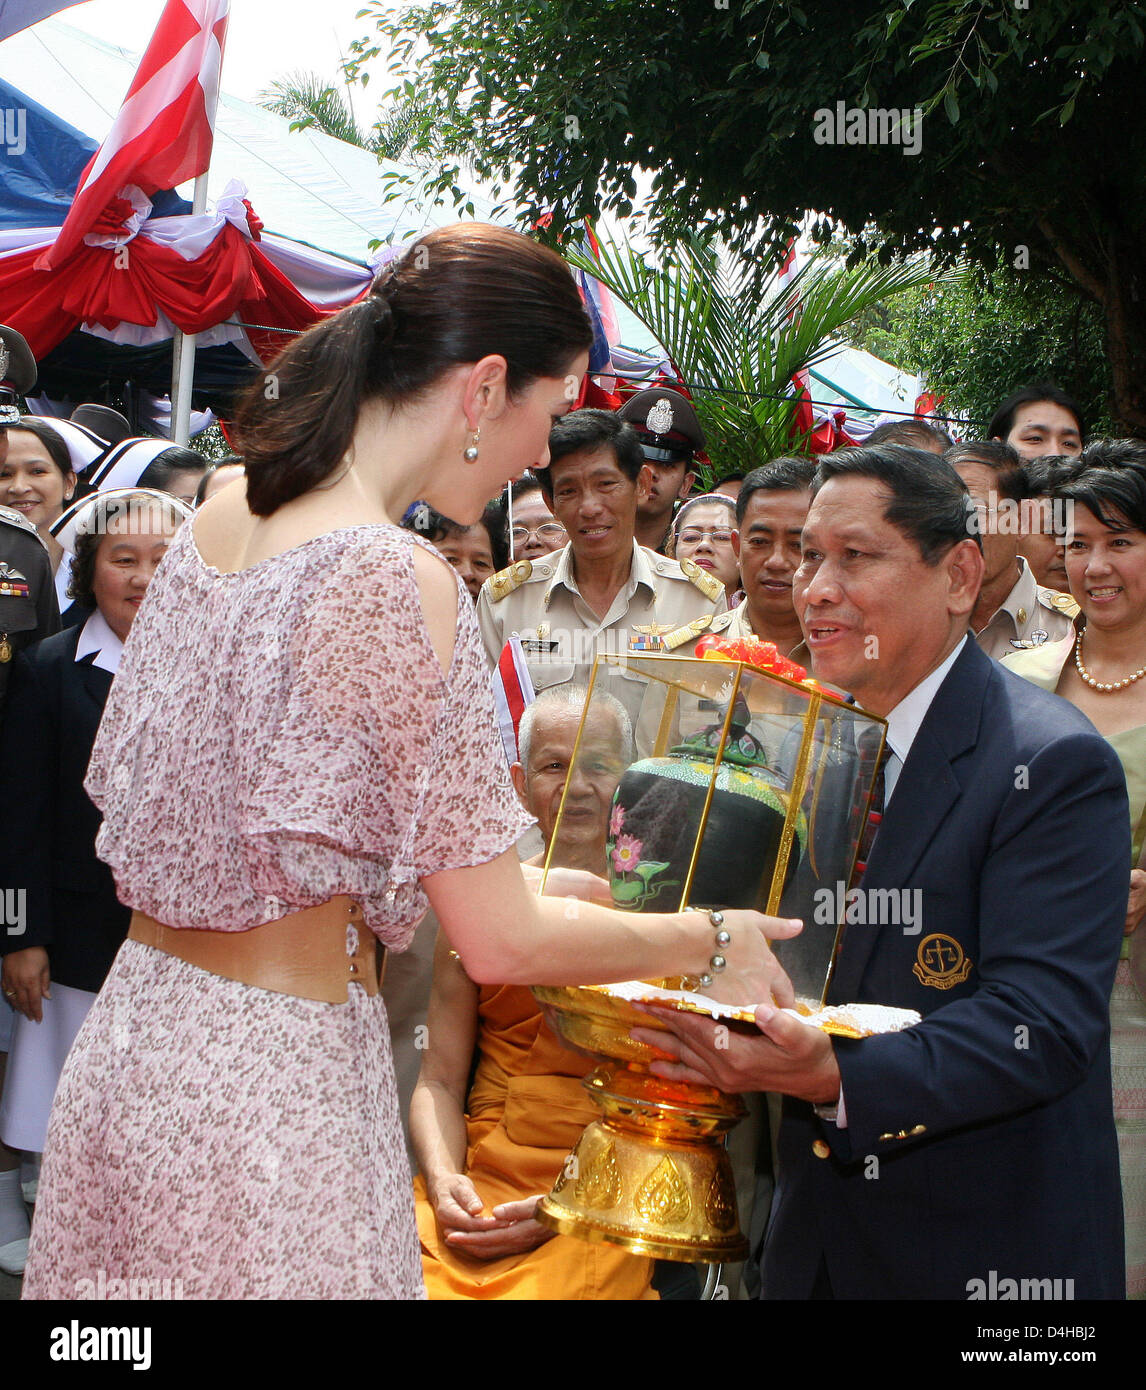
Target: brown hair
x=458 y=294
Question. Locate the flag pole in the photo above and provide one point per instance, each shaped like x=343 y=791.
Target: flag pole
x=183 y=344
x=183 y=349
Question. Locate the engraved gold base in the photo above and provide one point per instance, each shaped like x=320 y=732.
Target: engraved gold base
x=652 y=1175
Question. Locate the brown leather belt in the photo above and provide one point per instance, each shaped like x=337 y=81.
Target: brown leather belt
x=303 y=954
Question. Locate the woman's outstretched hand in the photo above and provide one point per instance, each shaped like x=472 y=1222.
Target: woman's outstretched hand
x=752 y=974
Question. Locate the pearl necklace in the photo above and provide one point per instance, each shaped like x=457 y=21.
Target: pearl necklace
x=1101 y=686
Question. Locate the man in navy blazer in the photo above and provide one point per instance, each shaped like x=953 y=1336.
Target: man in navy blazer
x=977 y=1147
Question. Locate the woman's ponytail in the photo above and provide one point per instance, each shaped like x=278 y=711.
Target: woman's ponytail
x=456 y=295
x=295 y=423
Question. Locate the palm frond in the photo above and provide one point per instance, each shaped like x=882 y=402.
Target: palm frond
x=738 y=338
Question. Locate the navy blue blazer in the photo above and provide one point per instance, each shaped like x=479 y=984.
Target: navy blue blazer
x=982 y=1139
x=54 y=708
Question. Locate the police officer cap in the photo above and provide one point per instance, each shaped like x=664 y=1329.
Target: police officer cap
x=17 y=373
x=103 y=421
x=665 y=423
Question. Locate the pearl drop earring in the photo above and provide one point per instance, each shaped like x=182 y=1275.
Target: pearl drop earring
x=470 y=454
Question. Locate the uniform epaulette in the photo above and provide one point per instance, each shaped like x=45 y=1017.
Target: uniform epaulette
x=1064 y=603
x=708 y=584
x=505 y=581
x=722 y=620
x=17 y=519
x=671 y=640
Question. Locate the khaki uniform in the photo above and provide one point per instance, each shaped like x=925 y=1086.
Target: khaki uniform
x=561 y=635
x=1029 y=616
x=735 y=624
x=28 y=607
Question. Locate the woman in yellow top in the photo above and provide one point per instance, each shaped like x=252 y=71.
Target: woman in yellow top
x=488 y=1157
x=1101 y=669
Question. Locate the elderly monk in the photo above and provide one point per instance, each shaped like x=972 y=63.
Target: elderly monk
x=489 y=1155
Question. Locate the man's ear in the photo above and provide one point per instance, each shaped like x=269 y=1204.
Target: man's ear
x=736 y=543
x=517 y=777
x=965 y=567
x=644 y=483
x=686 y=484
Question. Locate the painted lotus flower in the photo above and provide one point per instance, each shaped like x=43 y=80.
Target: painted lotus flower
x=626 y=854
x=617 y=820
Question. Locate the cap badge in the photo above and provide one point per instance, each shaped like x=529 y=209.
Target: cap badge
x=4 y=359
x=659 y=419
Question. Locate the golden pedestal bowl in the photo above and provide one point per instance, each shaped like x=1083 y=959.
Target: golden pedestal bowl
x=652 y=1175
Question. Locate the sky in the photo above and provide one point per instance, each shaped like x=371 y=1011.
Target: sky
x=265 y=38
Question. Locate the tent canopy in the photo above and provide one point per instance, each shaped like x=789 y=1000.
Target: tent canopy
x=304 y=185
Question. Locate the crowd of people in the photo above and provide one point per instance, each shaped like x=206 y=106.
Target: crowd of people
x=212 y=856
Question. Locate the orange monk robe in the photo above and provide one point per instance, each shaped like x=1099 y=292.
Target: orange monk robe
x=527 y=1109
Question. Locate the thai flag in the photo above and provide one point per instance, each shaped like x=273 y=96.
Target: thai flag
x=512 y=693
x=599 y=306
x=804 y=421
x=22 y=14
x=163 y=133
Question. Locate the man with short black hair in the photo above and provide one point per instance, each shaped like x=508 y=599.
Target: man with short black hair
x=916 y=434
x=977 y=1146
x=602 y=591
x=1038 y=420
x=670 y=437
x=770 y=512
x=1013 y=610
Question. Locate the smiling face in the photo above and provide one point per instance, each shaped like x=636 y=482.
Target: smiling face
x=1106 y=567
x=596 y=503
x=1041 y=427
x=125 y=563
x=705 y=537
x=769 y=549
x=581 y=843
x=877 y=618
x=30 y=482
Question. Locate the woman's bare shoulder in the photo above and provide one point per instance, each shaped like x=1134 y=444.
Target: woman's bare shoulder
x=438 y=588
x=223 y=528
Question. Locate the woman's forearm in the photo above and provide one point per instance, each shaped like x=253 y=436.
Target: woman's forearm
x=506 y=934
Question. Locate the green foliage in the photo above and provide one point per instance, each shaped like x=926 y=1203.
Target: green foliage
x=736 y=345
x=308 y=101
x=1032 y=114
x=980 y=338
x=211 y=443
x=559 y=101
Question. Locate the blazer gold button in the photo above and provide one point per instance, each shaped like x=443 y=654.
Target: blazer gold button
x=821 y=1148
x=919 y=1129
